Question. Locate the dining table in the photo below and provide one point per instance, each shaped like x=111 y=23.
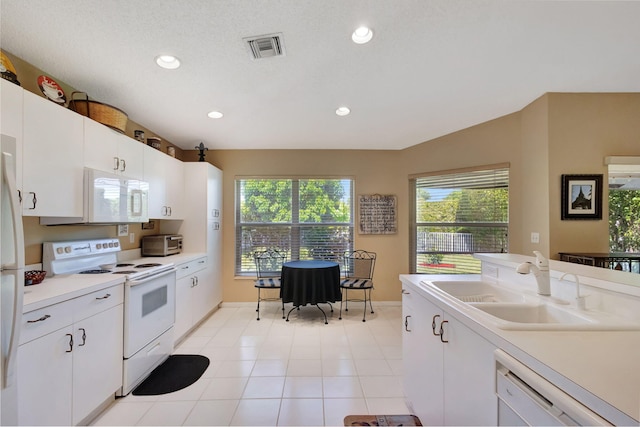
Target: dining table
x=310 y=282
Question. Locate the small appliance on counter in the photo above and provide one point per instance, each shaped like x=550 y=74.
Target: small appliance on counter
x=161 y=245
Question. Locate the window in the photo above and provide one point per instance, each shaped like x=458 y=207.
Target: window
x=306 y=218
x=624 y=210
x=455 y=215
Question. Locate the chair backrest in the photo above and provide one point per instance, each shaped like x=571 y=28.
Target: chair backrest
x=269 y=262
x=359 y=264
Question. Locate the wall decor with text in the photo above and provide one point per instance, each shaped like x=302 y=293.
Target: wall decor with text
x=377 y=214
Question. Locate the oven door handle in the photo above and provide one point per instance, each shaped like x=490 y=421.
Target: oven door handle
x=152 y=277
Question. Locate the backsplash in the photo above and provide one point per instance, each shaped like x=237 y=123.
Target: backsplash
x=35 y=234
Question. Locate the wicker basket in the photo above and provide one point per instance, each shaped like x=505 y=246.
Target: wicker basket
x=106 y=114
x=33 y=277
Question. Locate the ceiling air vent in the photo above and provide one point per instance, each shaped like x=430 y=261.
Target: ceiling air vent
x=265 y=46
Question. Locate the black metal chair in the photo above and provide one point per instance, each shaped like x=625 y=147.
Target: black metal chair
x=358 y=275
x=268 y=271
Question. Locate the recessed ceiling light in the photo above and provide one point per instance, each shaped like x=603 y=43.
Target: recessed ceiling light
x=343 y=111
x=169 y=62
x=215 y=114
x=362 y=35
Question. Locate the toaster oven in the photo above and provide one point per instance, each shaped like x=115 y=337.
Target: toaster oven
x=161 y=245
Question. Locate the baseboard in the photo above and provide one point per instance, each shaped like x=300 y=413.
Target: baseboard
x=241 y=304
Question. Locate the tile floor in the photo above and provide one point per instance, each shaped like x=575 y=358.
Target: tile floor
x=271 y=372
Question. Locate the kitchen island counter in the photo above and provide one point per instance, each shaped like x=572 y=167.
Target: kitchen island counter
x=601 y=369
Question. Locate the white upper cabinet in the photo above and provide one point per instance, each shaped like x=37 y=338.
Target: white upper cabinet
x=11 y=120
x=52 y=159
x=110 y=151
x=166 y=184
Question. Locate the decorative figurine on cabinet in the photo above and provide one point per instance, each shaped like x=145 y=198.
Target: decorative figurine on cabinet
x=202 y=149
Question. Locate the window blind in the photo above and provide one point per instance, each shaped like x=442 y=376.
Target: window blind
x=306 y=218
x=457 y=214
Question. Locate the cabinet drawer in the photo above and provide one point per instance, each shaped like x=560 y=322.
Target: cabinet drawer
x=191 y=267
x=96 y=302
x=40 y=322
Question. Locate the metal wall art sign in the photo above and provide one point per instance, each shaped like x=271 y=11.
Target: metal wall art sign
x=377 y=214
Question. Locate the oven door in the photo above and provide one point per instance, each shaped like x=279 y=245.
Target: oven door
x=149 y=310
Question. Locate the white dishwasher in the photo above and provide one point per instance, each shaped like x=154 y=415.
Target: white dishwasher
x=527 y=399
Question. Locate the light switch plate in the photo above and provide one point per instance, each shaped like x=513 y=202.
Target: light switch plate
x=535 y=237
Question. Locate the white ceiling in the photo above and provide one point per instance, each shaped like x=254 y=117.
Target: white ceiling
x=433 y=66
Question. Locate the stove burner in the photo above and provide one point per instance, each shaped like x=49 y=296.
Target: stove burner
x=124 y=265
x=125 y=272
x=95 y=271
x=152 y=264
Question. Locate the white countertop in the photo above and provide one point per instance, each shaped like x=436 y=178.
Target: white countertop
x=589 y=365
x=64 y=287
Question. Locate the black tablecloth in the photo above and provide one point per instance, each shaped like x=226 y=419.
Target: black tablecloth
x=310 y=282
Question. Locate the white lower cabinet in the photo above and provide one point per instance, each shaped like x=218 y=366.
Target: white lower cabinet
x=192 y=301
x=448 y=368
x=70 y=358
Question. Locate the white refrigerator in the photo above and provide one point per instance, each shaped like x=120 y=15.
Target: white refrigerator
x=12 y=270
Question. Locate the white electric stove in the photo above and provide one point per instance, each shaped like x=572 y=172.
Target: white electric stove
x=149 y=299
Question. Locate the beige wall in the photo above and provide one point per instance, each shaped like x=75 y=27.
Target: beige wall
x=584 y=129
x=373 y=171
x=534 y=190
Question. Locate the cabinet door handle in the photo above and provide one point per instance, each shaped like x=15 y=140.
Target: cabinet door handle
x=193 y=282
x=34 y=200
x=70 y=343
x=84 y=337
x=20 y=196
x=116 y=163
x=406 y=323
x=104 y=297
x=42 y=319
x=442 y=331
x=163 y=212
x=433 y=325
x=124 y=165
x=169 y=210
x=404 y=292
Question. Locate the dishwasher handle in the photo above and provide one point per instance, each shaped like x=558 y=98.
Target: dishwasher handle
x=536 y=400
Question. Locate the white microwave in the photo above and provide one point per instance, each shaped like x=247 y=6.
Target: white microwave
x=109 y=199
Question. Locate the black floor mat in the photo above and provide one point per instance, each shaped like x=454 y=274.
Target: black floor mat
x=177 y=372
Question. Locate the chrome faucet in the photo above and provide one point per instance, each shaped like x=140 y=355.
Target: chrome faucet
x=580 y=301
x=540 y=271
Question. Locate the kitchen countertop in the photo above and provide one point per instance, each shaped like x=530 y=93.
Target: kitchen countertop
x=599 y=368
x=63 y=287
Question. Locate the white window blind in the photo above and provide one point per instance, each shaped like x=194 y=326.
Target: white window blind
x=457 y=214
x=305 y=218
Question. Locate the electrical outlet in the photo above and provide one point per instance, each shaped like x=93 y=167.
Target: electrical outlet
x=123 y=229
x=132 y=237
x=535 y=237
